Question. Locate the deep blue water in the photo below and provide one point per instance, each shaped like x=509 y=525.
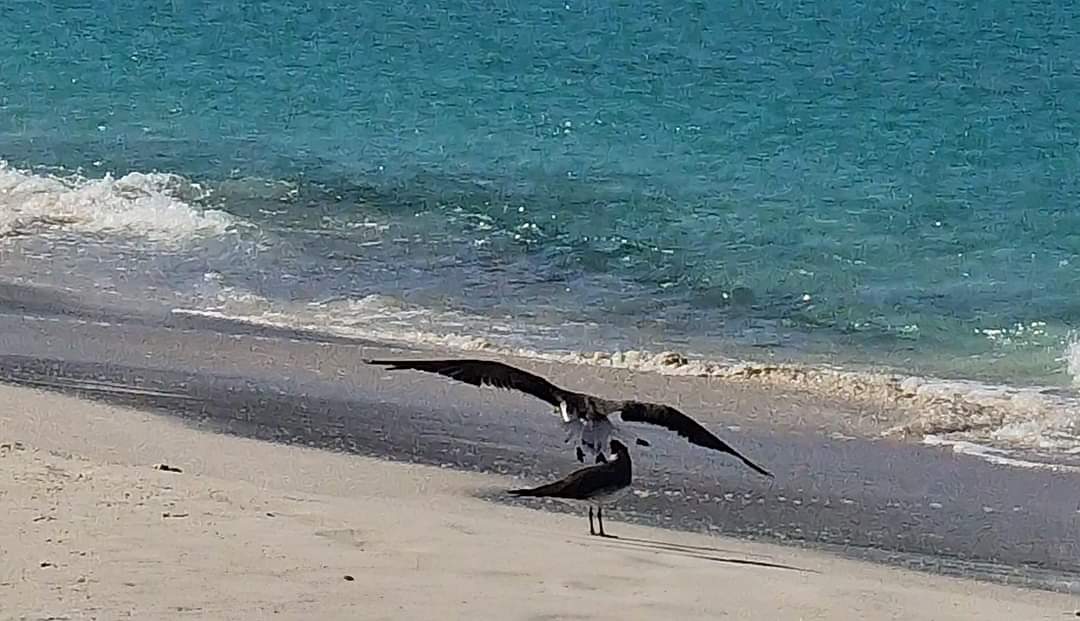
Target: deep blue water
x=862 y=182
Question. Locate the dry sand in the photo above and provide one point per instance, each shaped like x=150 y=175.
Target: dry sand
x=250 y=530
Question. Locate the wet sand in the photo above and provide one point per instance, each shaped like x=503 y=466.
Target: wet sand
x=837 y=488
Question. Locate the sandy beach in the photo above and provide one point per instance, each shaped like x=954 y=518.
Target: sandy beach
x=839 y=487
x=254 y=530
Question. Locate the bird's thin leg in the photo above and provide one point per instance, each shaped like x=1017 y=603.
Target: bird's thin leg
x=600 y=519
x=592 y=531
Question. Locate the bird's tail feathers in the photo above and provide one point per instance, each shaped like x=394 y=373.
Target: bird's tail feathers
x=525 y=492
x=543 y=490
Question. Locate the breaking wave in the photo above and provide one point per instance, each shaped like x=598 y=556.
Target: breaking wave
x=157 y=207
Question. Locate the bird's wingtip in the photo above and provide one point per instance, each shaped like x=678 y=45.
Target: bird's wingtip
x=758 y=469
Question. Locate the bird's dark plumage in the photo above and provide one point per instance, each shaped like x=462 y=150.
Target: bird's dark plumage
x=670 y=418
x=590 y=481
x=483 y=372
x=586 y=408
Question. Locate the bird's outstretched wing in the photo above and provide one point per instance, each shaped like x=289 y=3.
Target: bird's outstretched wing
x=483 y=372
x=670 y=418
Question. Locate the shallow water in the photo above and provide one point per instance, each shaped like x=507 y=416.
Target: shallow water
x=879 y=188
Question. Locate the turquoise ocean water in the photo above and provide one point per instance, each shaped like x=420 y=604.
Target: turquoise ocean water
x=879 y=186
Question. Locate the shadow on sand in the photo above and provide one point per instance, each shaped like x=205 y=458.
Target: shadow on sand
x=699 y=552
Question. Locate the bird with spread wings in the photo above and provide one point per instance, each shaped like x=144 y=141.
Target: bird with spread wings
x=587 y=418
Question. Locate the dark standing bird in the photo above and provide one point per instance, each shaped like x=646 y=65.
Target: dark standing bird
x=584 y=416
x=592 y=484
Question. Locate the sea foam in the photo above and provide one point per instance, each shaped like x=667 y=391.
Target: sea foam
x=156 y=207
x=1071 y=358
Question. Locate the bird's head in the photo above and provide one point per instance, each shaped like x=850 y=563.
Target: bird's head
x=619 y=449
